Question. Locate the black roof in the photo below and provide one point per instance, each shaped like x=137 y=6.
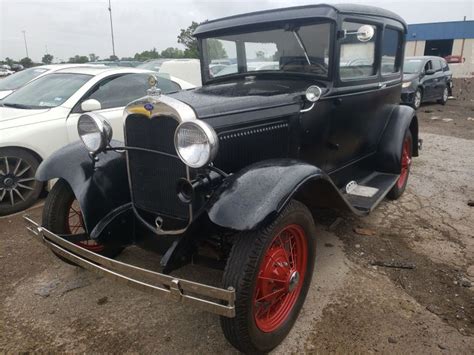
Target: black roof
x=293 y=13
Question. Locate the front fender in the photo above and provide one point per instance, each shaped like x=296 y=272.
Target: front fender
x=98 y=190
x=256 y=194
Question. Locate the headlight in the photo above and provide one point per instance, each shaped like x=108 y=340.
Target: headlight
x=406 y=84
x=196 y=143
x=94 y=131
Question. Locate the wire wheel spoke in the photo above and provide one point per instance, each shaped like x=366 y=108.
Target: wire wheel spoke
x=17 y=166
x=19 y=194
x=12 y=199
x=25 y=169
x=25 y=187
x=7 y=167
x=2 y=194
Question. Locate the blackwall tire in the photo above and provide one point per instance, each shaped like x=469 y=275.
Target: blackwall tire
x=417 y=99
x=406 y=158
x=18 y=187
x=445 y=96
x=270 y=294
x=57 y=214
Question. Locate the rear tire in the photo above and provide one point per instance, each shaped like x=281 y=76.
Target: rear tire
x=271 y=270
x=18 y=187
x=444 y=98
x=57 y=219
x=405 y=163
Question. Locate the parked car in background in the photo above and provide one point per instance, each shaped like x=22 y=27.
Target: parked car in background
x=13 y=82
x=186 y=69
x=41 y=117
x=153 y=64
x=5 y=72
x=251 y=66
x=231 y=173
x=426 y=79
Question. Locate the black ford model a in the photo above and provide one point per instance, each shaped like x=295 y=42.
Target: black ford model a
x=302 y=114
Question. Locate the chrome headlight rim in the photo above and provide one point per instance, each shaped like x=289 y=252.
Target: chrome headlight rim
x=212 y=141
x=104 y=130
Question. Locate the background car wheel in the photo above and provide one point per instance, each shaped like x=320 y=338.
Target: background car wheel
x=445 y=96
x=271 y=270
x=417 y=98
x=406 y=159
x=18 y=187
x=62 y=215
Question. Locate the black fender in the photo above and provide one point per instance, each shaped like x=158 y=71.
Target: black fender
x=256 y=195
x=98 y=190
x=389 y=148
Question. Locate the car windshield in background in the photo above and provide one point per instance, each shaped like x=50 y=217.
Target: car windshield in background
x=19 y=79
x=412 y=66
x=46 y=92
x=303 y=49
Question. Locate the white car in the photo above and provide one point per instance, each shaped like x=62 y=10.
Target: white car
x=17 y=80
x=5 y=72
x=41 y=117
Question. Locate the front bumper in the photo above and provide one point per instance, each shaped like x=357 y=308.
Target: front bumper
x=408 y=96
x=208 y=298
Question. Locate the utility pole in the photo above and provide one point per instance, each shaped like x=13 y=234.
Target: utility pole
x=112 y=28
x=26 y=45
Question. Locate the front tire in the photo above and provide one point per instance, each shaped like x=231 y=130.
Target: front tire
x=417 y=98
x=405 y=166
x=62 y=215
x=271 y=270
x=18 y=187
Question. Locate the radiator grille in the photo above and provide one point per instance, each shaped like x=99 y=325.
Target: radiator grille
x=153 y=176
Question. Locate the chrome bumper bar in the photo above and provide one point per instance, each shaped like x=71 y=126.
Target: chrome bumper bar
x=208 y=298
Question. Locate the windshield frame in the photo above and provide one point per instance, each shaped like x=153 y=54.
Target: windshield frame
x=206 y=79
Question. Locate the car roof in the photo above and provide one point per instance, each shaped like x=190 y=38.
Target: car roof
x=424 y=57
x=294 y=13
x=99 y=69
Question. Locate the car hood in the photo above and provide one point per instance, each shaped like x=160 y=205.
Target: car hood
x=410 y=77
x=228 y=98
x=5 y=93
x=13 y=117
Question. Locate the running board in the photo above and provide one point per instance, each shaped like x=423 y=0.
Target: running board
x=369 y=192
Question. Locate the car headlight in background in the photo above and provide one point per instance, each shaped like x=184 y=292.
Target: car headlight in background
x=406 y=84
x=196 y=143
x=94 y=131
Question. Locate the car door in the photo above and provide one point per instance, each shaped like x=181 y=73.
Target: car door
x=439 y=80
x=113 y=93
x=429 y=82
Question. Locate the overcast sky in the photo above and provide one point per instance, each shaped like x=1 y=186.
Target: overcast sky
x=69 y=27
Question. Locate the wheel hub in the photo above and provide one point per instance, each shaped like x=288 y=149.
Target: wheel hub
x=9 y=182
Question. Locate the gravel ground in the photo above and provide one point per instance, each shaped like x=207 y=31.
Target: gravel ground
x=353 y=306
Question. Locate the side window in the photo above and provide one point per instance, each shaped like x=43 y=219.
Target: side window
x=390 y=50
x=222 y=57
x=428 y=65
x=444 y=65
x=357 y=57
x=119 y=91
x=437 y=65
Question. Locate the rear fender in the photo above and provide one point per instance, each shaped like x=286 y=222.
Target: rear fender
x=256 y=195
x=98 y=191
x=389 y=149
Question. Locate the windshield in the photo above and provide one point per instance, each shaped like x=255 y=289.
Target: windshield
x=288 y=48
x=19 y=79
x=412 y=66
x=46 y=92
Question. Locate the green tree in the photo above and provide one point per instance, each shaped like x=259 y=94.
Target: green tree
x=47 y=59
x=171 y=52
x=9 y=61
x=216 y=49
x=26 y=62
x=187 y=39
x=147 y=55
x=93 y=57
x=113 y=58
x=78 y=59
x=260 y=55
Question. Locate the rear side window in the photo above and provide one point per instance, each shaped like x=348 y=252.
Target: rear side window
x=436 y=65
x=444 y=65
x=357 y=58
x=390 y=50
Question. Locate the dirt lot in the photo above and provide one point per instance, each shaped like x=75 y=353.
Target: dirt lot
x=353 y=306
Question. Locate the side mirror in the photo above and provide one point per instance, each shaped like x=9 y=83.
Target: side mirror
x=430 y=72
x=90 y=105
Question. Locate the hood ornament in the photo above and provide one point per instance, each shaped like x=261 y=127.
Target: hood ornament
x=154 y=91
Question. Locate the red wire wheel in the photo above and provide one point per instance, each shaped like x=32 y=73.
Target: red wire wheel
x=280 y=278
x=75 y=225
x=405 y=161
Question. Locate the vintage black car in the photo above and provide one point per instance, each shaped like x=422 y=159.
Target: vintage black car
x=426 y=79
x=229 y=174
